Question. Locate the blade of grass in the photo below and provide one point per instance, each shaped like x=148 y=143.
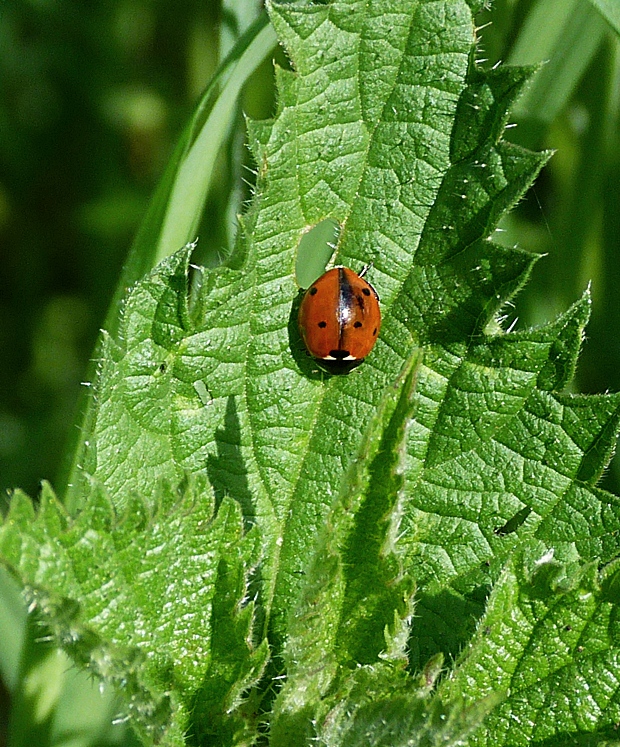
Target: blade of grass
x=170 y=222
x=12 y=629
x=610 y=10
x=565 y=34
x=193 y=177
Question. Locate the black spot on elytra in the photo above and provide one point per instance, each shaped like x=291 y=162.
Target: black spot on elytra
x=307 y=365
x=313 y=291
x=357 y=324
x=339 y=354
x=322 y=325
x=365 y=291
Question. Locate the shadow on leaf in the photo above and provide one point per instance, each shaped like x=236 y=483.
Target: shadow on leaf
x=444 y=623
x=227 y=471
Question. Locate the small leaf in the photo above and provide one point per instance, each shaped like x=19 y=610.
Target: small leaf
x=378 y=706
x=406 y=721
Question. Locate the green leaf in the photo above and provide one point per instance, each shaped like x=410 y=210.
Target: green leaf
x=356 y=602
x=499 y=458
x=554 y=629
x=406 y=721
x=238 y=337
x=99 y=583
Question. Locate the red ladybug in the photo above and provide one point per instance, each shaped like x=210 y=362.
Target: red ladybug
x=339 y=319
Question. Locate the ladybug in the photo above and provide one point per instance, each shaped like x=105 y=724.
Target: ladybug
x=339 y=319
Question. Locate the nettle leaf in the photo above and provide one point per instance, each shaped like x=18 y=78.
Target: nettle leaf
x=347 y=681
x=501 y=458
x=554 y=631
x=153 y=586
x=367 y=516
x=363 y=136
x=356 y=604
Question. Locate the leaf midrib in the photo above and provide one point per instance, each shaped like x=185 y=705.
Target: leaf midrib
x=326 y=388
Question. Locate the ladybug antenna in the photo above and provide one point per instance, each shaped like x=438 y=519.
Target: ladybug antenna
x=365 y=269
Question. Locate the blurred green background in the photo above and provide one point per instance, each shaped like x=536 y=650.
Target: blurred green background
x=92 y=98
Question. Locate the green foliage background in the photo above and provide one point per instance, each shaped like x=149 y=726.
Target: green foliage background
x=92 y=98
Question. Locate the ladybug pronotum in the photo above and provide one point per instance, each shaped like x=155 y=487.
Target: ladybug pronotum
x=339 y=320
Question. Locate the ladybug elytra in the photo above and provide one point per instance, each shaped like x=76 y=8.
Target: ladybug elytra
x=339 y=320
